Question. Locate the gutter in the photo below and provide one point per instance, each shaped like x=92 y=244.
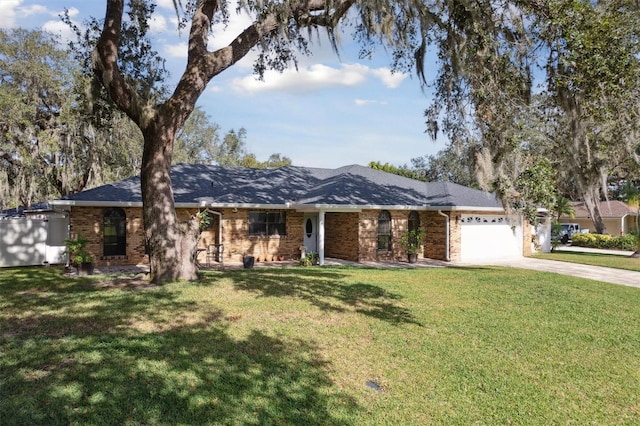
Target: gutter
x=447 y=255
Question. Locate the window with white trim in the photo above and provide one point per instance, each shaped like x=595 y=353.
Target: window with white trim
x=267 y=223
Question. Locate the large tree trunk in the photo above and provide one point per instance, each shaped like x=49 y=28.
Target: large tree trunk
x=171 y=244
x=593 y=206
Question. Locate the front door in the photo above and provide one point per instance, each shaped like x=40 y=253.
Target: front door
x=311 y=232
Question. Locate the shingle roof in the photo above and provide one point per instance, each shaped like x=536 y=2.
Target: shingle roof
x=349 y=186
x=18 y=212
x=608 y=209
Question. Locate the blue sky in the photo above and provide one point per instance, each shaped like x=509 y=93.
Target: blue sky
x=331 y=112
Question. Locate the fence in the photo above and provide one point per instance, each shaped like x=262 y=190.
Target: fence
x=33 y=241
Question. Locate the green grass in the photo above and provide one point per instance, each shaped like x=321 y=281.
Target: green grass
x=596 y=259
x=297 y=346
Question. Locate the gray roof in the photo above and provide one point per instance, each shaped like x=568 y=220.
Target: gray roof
x=18 y=212
x=300 y=187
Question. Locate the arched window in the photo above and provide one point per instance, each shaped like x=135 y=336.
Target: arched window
x=384 y=231
x=114 y=232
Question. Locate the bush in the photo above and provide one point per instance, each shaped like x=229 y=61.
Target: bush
x=627 y=242
x=622 y=242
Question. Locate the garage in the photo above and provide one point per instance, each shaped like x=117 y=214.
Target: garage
x=485 y=237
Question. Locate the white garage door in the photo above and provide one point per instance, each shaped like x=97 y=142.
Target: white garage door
x=486 y=237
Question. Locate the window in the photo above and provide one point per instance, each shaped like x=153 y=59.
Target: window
x=114 y=231
x=384 y=231
x=267 y=223
x=414 y=225
x=414 y=221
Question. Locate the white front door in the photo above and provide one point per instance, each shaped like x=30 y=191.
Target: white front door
x=310 y=229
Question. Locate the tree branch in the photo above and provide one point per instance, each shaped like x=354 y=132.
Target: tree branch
x=105 y=63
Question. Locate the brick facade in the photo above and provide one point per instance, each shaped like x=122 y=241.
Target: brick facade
x=435 y=227
x=88 y=222
x=349 y=236
x=237 y=241
x=341 y=236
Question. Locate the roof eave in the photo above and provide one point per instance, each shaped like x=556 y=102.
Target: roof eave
x=294 y=206
x=178 y=205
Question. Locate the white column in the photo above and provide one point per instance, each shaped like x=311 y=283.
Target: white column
x=321 y=237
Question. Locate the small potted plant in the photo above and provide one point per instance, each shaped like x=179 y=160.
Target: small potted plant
x=79 y=256
x=310 y=259
x=411 y=241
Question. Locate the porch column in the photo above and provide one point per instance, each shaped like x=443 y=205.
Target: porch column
x=321 y=236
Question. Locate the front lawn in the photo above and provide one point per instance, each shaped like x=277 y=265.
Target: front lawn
x=596 y=259
x=319 y=346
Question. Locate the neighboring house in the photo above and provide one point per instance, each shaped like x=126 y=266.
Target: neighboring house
x=354 y=213
x=618 y=217
x=33 y=236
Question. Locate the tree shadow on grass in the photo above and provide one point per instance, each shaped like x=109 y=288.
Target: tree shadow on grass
x=149 y=358
x=324 y=289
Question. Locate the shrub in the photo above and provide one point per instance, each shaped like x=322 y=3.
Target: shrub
x=627 y=242
x=583 y=240
x=622 y=242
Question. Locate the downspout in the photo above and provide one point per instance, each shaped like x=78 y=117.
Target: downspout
x=447 y=255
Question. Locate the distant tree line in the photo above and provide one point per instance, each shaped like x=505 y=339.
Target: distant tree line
x=57 y=139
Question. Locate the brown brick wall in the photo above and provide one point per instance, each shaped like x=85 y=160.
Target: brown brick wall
x=237 y=242
x=341 y=236
x=88 y=222
x=349 y=236
x=436 y=237
x=399 y=225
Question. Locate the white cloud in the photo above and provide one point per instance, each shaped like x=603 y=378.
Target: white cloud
x=8 y=13
x=309 y=79
x=158 y=24
x=223 y=34
x=61 y=29
x=56 y=26
x=364 y=102
x=178 y=50
x=389 y=78
x=34 y=9
x=316 y=77
x=167 y=4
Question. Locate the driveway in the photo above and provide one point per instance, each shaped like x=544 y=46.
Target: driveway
x=598 y=273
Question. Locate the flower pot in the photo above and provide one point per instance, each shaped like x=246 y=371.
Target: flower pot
x=413 y=257
x=248 y=261
x=85 y=268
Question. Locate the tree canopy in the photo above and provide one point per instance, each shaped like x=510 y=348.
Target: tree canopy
x=50 y=145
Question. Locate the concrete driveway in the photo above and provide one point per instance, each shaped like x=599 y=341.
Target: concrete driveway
x=598 y=273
